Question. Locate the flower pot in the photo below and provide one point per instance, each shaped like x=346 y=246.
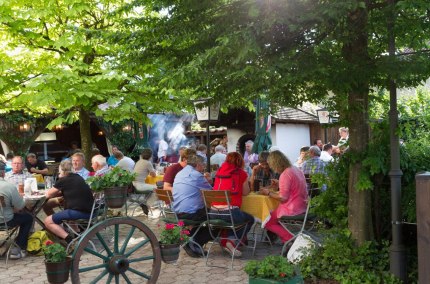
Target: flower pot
x=115 y=197
x=169 y=253
x=58 y=272
x=292 y=280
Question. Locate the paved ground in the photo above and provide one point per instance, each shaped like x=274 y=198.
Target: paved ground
x=187 y=270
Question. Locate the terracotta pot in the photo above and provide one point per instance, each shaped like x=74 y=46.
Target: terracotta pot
x=115 y=197
x=169 y=253
x=58 y=272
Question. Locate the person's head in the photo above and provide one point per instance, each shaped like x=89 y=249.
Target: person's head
x=74 y=145
x=146 y=154
x=95 y=151
x=187 y=152
x=9 y=156
x=328 y=148
x=343 y=132
x=181 y=150
x=98 y=162
x=248 y=146
x=17 y=164
x=278 y=162
x=197 y=162
x=318 y=142
x=236 y=159
x=314 y=151
x=65 y=168
x=31 y=158
x=225 y=138
x=114 y=149
x=219 y=149
x=304 y=151
x=262 y=159
x=78 y=161
x=118 y=155
x=2 y=169
x=202 y=148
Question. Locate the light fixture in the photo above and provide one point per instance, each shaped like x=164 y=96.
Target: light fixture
x=100 y=133
x=58 y=127
x=25 y=127
x=127 y=128
x=45 y=137
x=325 y=117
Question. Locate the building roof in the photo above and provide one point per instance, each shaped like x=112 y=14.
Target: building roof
x=285 y=114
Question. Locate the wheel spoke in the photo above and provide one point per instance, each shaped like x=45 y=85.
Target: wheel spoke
x=96 y=254
x=124 y=245
x=100 y=276
x=126 y=278
x=116 y=279
x=141 y=259
x=109 y=278
x=141 y=274
x=105 y=246
x=94 y=267
x=115 y=242
x=136 y=247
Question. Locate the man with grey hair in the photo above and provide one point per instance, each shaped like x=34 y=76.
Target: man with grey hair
x=99 y=165
x=219 y=157
x=188 y=202
x=248 y=156
x=314 y=165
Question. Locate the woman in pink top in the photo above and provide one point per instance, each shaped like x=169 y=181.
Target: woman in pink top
x=292 y=193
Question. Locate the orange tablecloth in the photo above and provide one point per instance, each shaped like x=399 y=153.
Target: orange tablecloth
x=153 y=180
x=259 y=206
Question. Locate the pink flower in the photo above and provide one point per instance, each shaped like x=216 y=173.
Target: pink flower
x=181 y=239
x=181 y=223
x=185 y=232
x=49 y=242
x=170 y=226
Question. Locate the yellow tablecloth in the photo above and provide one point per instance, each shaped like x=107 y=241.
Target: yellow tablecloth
x=259 y=206
x=153 y=180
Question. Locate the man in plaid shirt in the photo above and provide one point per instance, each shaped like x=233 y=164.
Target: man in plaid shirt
x=314 y=165
x=16 y=175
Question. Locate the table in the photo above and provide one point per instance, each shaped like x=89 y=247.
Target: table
x=33 y=205
x=39 y=178
x=152 y=180
x=259 y=206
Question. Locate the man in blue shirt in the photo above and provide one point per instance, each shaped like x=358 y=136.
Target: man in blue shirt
x=188 y=201
x=314 y=165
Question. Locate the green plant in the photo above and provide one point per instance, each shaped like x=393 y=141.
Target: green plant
x=274 y=267
x=174 y=234
x=54 y=252
x=113 y=178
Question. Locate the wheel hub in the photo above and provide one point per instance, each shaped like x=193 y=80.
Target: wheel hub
x=118 y=264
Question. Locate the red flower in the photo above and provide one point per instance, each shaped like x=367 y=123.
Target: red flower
x=181 y=223
x=170 y=226
x=49 y=242
x=282 y=274
x=185 y=232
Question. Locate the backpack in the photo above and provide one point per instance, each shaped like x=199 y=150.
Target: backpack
x=228 y=182
x=36 y=242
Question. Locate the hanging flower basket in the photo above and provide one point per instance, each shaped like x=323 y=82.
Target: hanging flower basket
x=169 y=253
x=116 y=196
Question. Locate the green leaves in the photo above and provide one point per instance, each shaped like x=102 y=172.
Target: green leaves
x=116 y=177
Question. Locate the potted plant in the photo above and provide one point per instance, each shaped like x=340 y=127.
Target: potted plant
x=115 y=184
x=57 y=262
x=272 y=269
x=171 y=237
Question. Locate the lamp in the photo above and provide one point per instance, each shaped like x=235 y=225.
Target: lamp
x=206 y=113
x=25 y=127
x=45 y=137
x=325 y=117
x=126 y=128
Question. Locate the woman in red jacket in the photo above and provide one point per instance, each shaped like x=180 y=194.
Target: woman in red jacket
x=232 y=176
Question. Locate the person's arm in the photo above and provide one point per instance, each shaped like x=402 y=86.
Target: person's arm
x=252 y=178
x=167 y=186
x=245 y=188
x=52 y=192
x=17 y=201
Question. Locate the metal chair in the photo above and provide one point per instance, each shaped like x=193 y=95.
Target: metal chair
x=7 y=234
x=141 y=198
x=216 y=220
x=79 y=227
x=171 y=217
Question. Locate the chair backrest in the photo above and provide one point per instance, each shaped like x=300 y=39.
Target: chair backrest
x=3 y=224
x=218 y=196
x=313 y=188
x=167 y=197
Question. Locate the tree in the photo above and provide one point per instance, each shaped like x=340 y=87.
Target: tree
x=60 y=57
x=288 y=52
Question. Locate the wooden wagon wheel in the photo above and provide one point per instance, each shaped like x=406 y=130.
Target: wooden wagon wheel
x=127 y=251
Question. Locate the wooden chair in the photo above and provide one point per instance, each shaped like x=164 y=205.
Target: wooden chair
x=219 y=220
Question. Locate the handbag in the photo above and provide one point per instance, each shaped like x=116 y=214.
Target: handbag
x=300 y=248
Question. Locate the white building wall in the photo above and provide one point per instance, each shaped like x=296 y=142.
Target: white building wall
x=289 y=138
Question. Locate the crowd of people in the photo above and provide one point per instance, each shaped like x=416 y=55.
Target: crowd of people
x=270 y=173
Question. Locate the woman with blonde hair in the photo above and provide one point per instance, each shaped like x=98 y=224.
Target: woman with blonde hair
x=292 y=193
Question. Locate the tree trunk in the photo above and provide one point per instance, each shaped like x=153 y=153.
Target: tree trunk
x=355 y=52
x=86 y=141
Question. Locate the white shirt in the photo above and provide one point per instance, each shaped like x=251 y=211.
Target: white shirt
x=126 y=163
x=218 y=158
x=326 y=157
x=162 y=149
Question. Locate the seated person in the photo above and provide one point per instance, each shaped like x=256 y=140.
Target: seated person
x=173 y=170
x=17 y=175
x=35 y=166
x=292 y=193
x=143 y=168
x=78 y=162
x=304 y=155
x=262 y=175
x=78 y=200
x=232 y=176
x=13 y=203
x=188 y=202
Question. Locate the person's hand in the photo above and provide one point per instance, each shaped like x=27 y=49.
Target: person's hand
x=264 y=191
x=33 y=170
x=274 y=183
